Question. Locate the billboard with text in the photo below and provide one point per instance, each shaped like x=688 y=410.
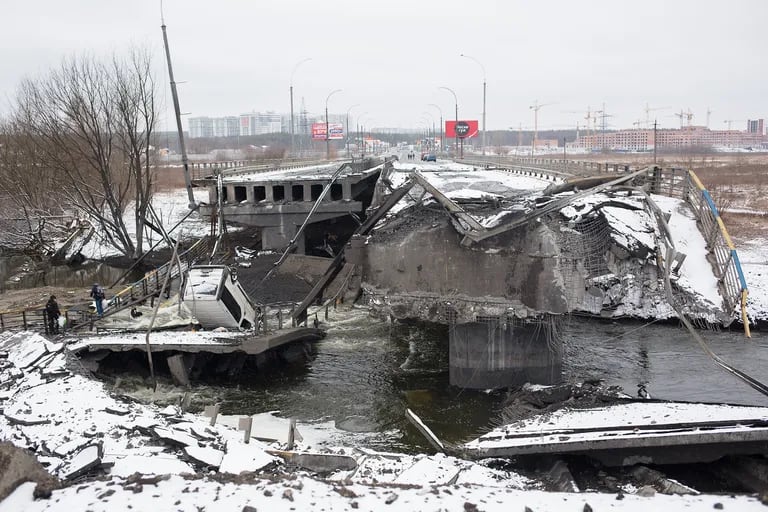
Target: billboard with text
x=462 y=129
x=336 y=133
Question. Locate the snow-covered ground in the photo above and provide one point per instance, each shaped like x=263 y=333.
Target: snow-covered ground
x=753 y=255
x=116 y=454
x=171 y=207
x=696 y=273
x=46 y=405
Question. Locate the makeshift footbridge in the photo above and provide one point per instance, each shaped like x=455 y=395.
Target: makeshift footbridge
x=151 y=285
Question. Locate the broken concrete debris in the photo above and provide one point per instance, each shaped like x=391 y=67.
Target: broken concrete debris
x=106 y=447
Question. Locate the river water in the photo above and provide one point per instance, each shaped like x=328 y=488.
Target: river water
x=366 y=372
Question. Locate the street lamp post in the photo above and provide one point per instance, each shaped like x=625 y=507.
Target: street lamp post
x=357 y=123
x=442 y=144
x=327 y=126
x=291 y=89
x=360 y=134
x=456 y=134
x=483 y=68
x=432 y=140
x=346 y=128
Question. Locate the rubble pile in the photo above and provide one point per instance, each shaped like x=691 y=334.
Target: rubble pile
x=103 y=451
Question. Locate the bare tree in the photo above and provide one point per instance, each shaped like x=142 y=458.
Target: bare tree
x=91 y=123
x=29 y=206
x=135 y=97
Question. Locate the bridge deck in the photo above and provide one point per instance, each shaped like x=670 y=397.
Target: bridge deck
x=194 y=342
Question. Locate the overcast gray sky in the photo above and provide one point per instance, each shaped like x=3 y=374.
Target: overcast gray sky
x=391 y=56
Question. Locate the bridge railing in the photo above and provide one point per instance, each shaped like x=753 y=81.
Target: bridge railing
x=152 y=282
x=685 y=185
x=558 y=166
x=726 y=259
x=208 y=170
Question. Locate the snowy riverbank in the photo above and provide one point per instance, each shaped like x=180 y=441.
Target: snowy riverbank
x=112 y=453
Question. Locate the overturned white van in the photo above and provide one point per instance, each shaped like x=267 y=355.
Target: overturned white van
x=216 y=299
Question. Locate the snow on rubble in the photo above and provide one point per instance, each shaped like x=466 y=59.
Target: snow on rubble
x=113 y=453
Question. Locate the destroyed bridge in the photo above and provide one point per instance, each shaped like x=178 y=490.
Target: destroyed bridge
x=498 y=252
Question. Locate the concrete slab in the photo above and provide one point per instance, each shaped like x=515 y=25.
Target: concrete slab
x=635 y=432
x=75 y=444
x=85 y=460
x=174 y=437
x=205 y=456
x=212 y=342
x=245 y=457
x=432 y=470
x=318 y=462
x=147 y=465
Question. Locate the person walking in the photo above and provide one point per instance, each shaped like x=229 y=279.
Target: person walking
x=53 y=313
x=97 y=292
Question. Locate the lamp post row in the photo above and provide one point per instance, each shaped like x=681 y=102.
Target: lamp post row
x=291 y=89
x=484 y=88
x=327 y=126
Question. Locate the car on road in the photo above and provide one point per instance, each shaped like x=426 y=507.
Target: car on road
x=429 y=157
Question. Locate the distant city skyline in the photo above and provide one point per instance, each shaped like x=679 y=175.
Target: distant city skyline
x=264 y=122
x=391 y=59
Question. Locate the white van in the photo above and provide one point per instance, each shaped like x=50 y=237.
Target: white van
x=216 y=298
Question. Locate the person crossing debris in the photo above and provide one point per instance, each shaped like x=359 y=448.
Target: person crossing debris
x=53 y=313
x=97 y=292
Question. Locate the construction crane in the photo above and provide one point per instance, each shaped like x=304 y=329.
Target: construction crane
x=687 y=115
x=591 y=125
x=729 y=121
x=535 y=107
x=648 y=111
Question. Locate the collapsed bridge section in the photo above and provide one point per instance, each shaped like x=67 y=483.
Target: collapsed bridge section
x=500 y=262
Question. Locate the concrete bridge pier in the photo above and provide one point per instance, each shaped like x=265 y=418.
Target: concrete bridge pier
x=276 y=237
x=497 y=354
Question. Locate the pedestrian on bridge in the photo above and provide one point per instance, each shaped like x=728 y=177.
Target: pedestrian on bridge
x=97 y=292
x=52 y=313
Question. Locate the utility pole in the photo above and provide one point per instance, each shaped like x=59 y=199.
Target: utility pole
x=177 y=111
x=455 y=133
x=603 y=117
x=655 y=142
x=565 y=158
x=291 y=89
x=442 y=144
x=484 y=88
x=346 y=128
x=327 y=126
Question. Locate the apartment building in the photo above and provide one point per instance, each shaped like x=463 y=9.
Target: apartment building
x=689 y=136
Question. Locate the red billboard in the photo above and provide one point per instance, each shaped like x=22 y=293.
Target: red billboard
x=466 y=129
x=318 y=131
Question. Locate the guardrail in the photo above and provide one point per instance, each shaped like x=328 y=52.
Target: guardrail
x=563 y=167
x=152 y=282
x=726 y=259
x=536 y=172
x=685 y=185
x=227 y=169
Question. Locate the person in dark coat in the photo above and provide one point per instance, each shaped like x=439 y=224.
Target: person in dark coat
x=97 y=292
x=53 y=313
